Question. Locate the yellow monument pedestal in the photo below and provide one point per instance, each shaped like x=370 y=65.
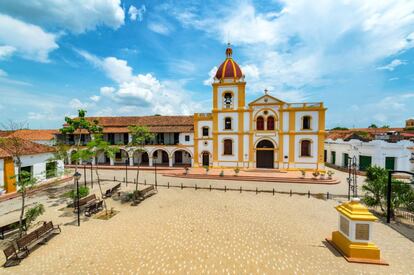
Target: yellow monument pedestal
x=354 y=237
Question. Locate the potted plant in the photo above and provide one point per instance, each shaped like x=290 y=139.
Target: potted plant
x=222 y=173
x=303 y=172
x=236 y=171
x=315 y=174
x=330 y=173
x=207 y=169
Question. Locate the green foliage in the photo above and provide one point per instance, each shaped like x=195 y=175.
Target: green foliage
x=375 y=188
x=340 y=128
x=222 y=173
x=140 y=135
x=25 y=181
x=385 y=126
x=374 y=126
x=33 y=213
x=83 y=192
x=409 y=128
x=98 y=145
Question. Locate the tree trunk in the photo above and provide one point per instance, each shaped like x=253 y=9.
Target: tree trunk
x=136 y=186
x=23 y=191
x=100 y=189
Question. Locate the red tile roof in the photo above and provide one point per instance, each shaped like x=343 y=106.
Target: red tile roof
x=35 y=134
x=370 y=132
x=156 y=124
x=26 y=147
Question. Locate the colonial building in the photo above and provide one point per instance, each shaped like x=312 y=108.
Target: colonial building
x=265 y=133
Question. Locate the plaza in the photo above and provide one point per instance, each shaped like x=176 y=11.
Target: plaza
x=201 y=232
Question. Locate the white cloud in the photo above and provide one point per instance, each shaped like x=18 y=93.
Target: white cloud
x=140 y=92
x=135 y=13
x=307 y=43
x=95 y=98
x=28 y=40
x=159 y=27
x=74 y=15
x=77 y=104
x=391 y=66
x=6 y=51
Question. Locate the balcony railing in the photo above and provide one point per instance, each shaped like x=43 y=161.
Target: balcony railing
x=305 y=105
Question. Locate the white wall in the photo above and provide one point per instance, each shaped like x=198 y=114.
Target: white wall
x=220 y=92
x=1 y=173
x=377 y=149
x=314 y=121
x=38 y=163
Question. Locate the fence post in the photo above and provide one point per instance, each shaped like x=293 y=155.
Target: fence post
x=225 y=188
x=195 y=187
x=145 y=182
x=273 y=191
x=327 y=195
x=256 y=190
x=290 y=192
x=168 y=184
x=181 y=186
x=210 y=188
x=240 y=189
x=308 y=194
x=125 y=180
x=114 y=178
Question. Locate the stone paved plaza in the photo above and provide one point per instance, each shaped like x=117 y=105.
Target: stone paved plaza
x=201 y=232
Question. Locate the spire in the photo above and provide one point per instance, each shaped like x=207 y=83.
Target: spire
x=229 y=51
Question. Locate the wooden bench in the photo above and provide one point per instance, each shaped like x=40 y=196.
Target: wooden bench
x=93 y=208
x=12 y=256
x=112 y=190
x=33 y=238
x=83 y=202
x=147 y=191
x=11 y=227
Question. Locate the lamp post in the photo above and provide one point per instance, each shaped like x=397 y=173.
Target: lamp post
x=389 y=190
x=77 y=176
x=352 y=178
x=155 y=171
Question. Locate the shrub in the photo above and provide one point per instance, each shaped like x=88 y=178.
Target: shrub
x=33 y=213
x=222 y=173
x=236 y=171
x=83 y=192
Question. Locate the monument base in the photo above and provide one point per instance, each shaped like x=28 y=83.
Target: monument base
x=367 y=253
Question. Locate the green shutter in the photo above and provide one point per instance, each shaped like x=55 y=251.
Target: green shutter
x=346 y=156
x=364 y=162
x=390 y=163
x=333 y=157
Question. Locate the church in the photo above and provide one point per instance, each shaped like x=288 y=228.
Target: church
x=265 y=133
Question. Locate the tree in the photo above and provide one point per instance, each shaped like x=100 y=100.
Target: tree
x=375 y=188
x=93 y=148
x=15 y=147
x=385 y=126
x=33 y=213
x=140 y=135
x=373 y=126
x=80 y=125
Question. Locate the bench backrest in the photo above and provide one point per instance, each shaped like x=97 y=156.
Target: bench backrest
x=13 y=225
x=27 y=239
x=9 y=251
x=87 y=199
x=117 y=186
x=147 y=189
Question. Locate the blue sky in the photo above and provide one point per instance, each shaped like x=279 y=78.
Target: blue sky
x=116 y=57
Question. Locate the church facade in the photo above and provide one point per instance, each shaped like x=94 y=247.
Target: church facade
x=265 y=133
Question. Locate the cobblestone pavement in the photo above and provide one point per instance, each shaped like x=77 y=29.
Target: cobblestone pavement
x=201 y=232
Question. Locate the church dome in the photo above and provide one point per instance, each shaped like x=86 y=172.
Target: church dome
x=229 y=68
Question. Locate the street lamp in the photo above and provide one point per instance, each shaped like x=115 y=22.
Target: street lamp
x=77 y=176
x=389 y=190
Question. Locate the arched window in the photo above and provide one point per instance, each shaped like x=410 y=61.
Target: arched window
x=260 y=123
x=270 y=123
x=306 y=123
x=228 y=100
x=227 y=123
x=228 y=147
x=205 y=131
x=305 y=148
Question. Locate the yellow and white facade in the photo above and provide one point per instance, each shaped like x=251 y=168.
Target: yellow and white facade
x=265 y=133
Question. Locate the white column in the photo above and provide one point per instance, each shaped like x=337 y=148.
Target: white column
x=150 y=161
x=111 y=161
x=170 y=161
x=93 y=161
x=131 y=161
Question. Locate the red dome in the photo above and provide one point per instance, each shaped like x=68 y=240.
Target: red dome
x=229 y=68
